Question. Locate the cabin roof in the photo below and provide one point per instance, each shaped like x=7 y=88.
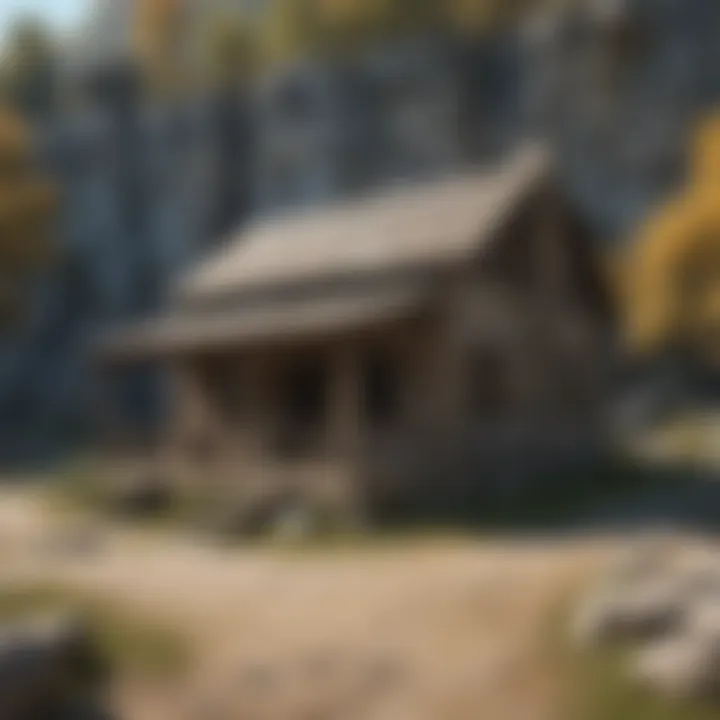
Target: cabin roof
x=435 y=223
x=352 y=266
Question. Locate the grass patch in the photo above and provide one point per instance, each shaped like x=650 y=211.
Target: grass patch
x=78 y=488
x=86 y=487
x=602 y=691
x=133 y=645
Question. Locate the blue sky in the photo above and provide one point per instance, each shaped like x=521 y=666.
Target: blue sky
x=60 y=13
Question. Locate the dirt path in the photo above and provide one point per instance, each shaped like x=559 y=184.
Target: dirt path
x=433 y=629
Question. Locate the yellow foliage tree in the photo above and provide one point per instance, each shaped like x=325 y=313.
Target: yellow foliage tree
x=161 y=38
x=671 y=277
x=166 y=32
x=229 y=48
x=26 y=209
x=476 y=17
x=294 y=28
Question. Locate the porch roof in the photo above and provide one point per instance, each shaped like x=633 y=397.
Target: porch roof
x=180 y=333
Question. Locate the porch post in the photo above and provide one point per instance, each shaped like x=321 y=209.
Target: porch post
x=257 y=424
x=345 y=424
x=108 y=425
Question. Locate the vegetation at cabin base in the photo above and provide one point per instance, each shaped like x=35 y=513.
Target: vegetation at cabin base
x=134 y=645
x=231 y=52
x=85 y=487
x=599 y=690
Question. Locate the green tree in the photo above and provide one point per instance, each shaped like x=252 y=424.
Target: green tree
x=162 y=33
x=29 y=68
x=476 y=17
x=230 y=49
x=26 y=209
x=396 y=18
x=319 y=27
x=293 y=29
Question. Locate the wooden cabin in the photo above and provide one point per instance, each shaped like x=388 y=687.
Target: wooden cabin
x=432 y=343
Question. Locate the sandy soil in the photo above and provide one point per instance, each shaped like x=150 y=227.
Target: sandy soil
x=430 y=629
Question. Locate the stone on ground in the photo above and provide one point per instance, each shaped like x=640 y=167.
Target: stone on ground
x=685 y=666
x=49 y=667
x=652 y=610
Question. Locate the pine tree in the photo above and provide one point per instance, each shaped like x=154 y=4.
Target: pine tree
x=26 y=208
x=28 y=69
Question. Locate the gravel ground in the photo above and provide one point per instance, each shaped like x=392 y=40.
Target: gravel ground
x=419 y=629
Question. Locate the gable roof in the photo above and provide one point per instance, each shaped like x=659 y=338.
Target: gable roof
x=440 y=222
x=353 y=266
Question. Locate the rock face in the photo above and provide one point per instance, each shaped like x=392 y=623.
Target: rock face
x=146 y=190
x=617 y=88
x=615 y=92
x=667 y=605
x=49 y=668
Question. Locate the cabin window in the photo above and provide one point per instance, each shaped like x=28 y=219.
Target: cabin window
x=574 y=386
x=488 y=385
x=303 y=407
x=381 y=389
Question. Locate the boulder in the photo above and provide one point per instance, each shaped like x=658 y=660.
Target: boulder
x=703 y=619
x=142 y=496
x=644 y=561
x=294 y=523
x=686 y=666
x=652 y=609
x=48 y=667
x=699 y=574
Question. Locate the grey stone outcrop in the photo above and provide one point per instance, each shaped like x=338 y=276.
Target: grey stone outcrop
x=665 y=604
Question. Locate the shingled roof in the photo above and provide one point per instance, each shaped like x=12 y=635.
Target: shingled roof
x=356 y=264
x=439 y=222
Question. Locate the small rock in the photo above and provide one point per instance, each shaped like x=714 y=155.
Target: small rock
x=699 y=573
x=643 y=562
x=686 y=666
x=209 y=710
x=142 y=496
x=322 y=665
x=261 y=678
x=703 y=620
x=80 y=542
x=47 y=665
x=648 y=611
x=383 y=675
x=294 y=524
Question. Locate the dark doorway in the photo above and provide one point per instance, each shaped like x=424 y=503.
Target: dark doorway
x=381 y=389
x=488 y=382
x=303 y=407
